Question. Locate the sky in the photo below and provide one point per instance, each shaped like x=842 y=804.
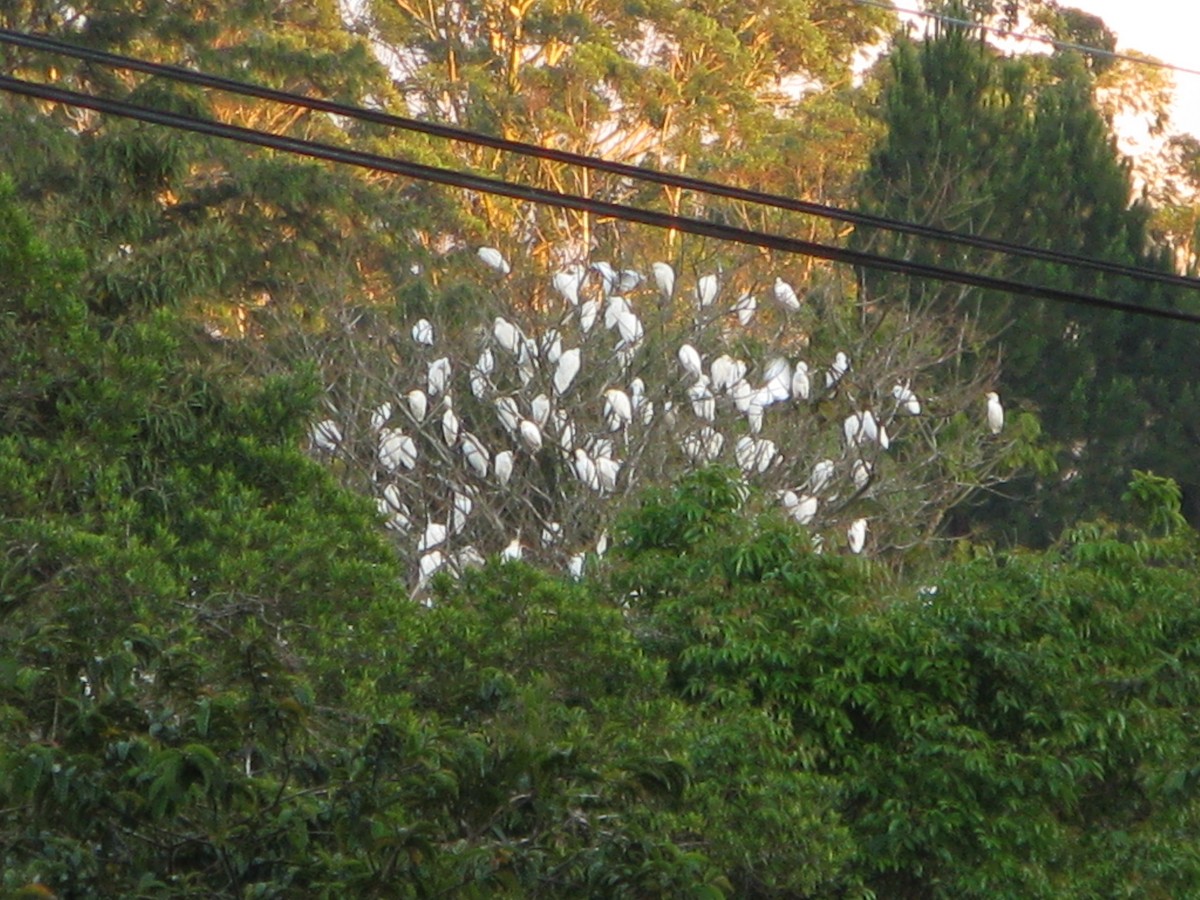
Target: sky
x=1166 y=29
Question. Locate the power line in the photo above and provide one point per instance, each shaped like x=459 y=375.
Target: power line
x=191 y=76
x=469 y=181
x=1053 y=42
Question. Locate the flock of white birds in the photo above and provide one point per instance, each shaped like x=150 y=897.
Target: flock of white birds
x=521 y=441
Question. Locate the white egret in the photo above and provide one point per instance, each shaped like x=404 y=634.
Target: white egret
x=326 y=435
x=628 y=280
x=439 y=376
x=380 y=415
x=531 y=436
x=462 y=507
x=551 y=533
x=607 y=471
x=527 y=361
x=754 y=416
x=743 y=395
x=480 y=384
x=801 y=384
x=449 y=424
x=689 y=358
x=601 y=446
x=856 y=535
x=568 y=367
x=602 y=543
x=513 y=552
x=778 y=379
x=434 y=534
x=396 y=449
x=703 y=403
x=861 y=473
x=766 y=454
x=664 y=279
x=618 y=409
x=629 y=327
x=539 y=409
x=614 y=308
x=422 y=332
x=508 y=414
x=822 y=474
x=551 y=346
x=995 y=412
x=585 y=469
x=504 y=467
x=469 y=558
x=418 y=404
x=706 y=290
x=745 y=452
x=806 y=509
x=637 y=392
x=507 y=334
x=575 y=565
x=589 y=311
x=906 y=399
x=567 y=282
x=785 y=295
x=609 y=279
x=429 y=564
x=495 y=259
x=486 y=362
x=477 y=455
x=838 y=370
x=744 y=309
x=566 y=430
x=726 y=372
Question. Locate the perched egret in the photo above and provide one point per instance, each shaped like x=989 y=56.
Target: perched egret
x=567 y=282
x=480 y=384
x=476 y=454
x=380 y=415
x=726 y=372
x=585 y=469
x=513 y=552
x=435 y=533
x=602 y=543
x=801 y=384
x=439 y=376
x=589 y=311
x=326 y=435
x=575 y=565
x=568 y=367
x=429 y=564
x=551 y=533
x=610 y=280
x=785 y=295
x=664 y=279
x=422 y=332
x=494 y=259
x=745 y=451
x=396 y=449
x=906 y=399
x=618 y=409
x=508 y=414
x=551 y=346
x=507 y=335
x=840 y=366
x=822 y=475
x=396 y=515
x=806 y=509
x=531 y=436
x=449 y=425
x=778 y=379
x=754 y=417
x=418 y=404
x=742 y=395
x=469 y=558
x=703 y=403
x=539 y=409
x=689 y=358
x=861 y=473
x=463 y=505
x=995 y=412
x=856 y=535
x=706 y=290
x=504 y=467
x=628 y=280
x=607 y=471
x=744 y=308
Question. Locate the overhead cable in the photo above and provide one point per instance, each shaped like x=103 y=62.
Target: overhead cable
x=1041 y=39
x=667 y=179
x=530 y=194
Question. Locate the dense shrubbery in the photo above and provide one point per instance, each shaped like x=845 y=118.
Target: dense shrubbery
x=213 y=683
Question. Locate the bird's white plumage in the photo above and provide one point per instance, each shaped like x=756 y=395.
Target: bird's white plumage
x=995 y=412
x=494 y=259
